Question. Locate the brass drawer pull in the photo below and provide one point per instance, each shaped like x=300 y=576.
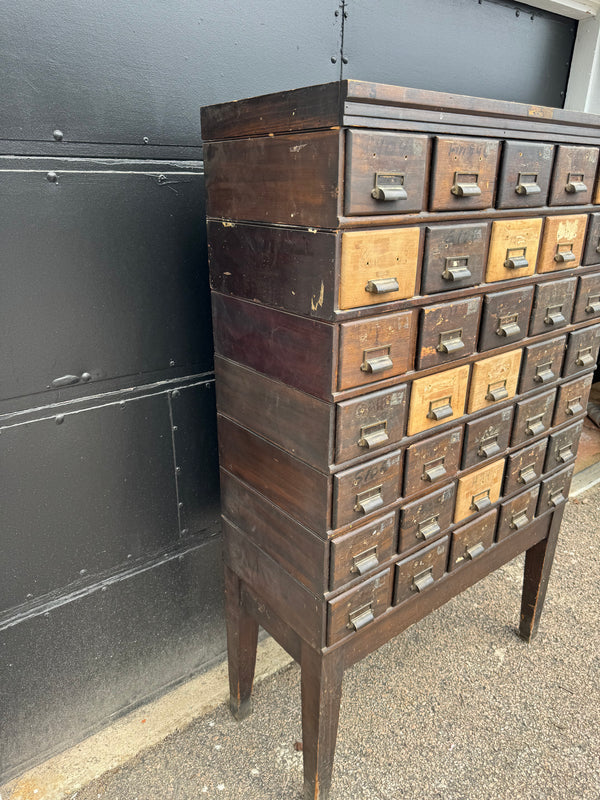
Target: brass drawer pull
x=556 y=498
x=382 y=286
x=450 y=341
x=497 y=391
x=543 y=373
x=389 y=187
x=575 y=183
x=527 y=474
x=573 y=406
x=554 y=316
x=365 y=561
x=428 y=528
x=474 y=551
x=585 y=357
x=507 y=326
x=369 y=500
x=456 y=269
x=422 y=580
x=465 y=185
x=440 y=409
x=565 y=453
x=593 y=304
x=515 y=258
x=488 y=447
x=377 y=359
x=361 y=617
x=519 y=520
x=564 y=255
x=535 y=425
x=434 y=470
x=374 y=434
x=527 y=184
x=481 y=500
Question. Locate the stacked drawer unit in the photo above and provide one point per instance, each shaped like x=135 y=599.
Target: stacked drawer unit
x=406 y=304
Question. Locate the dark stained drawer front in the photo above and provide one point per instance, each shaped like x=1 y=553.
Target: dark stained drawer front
x=376 y=348
x=562 y=242
x=417 y=573
x=366 y=423
x=494 y=380
x=574 y=175
x=582 y=350
x=433 y=460
x=362 y=551
x=587 y=304
x=542 y=364
x=533 y=417
x=464 y=173
x=505 y=317
x=513 y=250
x=454 y=256
x=524 y=174
x=447 y=331
x=437 y=399
x=572 y=399
x=562 y=446
x=426 y=518
x=591 y=252
x=478 y=490
x=472 y=539
x=517 y=513
x=358 y=607
x=524 y=467
x=385 y=172
x=486 y=437
x=552 y=306
x=555 y=490
x=365 y=489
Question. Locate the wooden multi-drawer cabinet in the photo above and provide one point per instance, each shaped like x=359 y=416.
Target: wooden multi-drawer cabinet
x=406 y=304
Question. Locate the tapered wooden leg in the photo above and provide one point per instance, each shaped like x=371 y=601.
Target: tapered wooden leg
x=321 y=695
x=538 y=565
x=242 y=637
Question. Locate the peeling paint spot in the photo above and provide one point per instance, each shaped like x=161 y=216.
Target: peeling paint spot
x=297 y=147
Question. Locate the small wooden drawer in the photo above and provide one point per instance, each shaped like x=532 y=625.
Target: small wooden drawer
x=385 y=172
x=524 y=174
x=437 y=399
x=454 y=256
x=486 y=437
x=494 y=380
x=365 y=489
x=418 y=572
x=366 y=423
x=374 y=349
x=552 y=306
x=378 y=266
x=426 y=518
x=587 y=303
x=574 y=175
x=447 y=331
x=505 y=317
x=525 y=467
x=542 y=363
x=555 y=490
x=591 y=252
x=464 y=173
x=433 y=460
x=478 y=490
x=572 y=399
x=562 y=243
x=472 y=540
x=513 y=249
x=358 y=607
x=517 y=513
x=562 y=446
x=582 y=350
x=533 y=417
x=360 y=552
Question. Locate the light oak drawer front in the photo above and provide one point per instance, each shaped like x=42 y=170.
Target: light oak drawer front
x=533 y=417
x=385 y=172
x=454 y=256
x=494 y=380
x=366 y=423
x=472 y=540
x=524 y=174
x=555 y=490
x=513 y=249
x=552 y=306
x=524 y=467
x=374 y=349
x=358 y=607
x=378 y=266
x=505 y=317
x=486 y=437
x=587 y=303
x=362 y=551
x=437 y=399
x=591 y=253
x=464 y=173
x=582 y=350
x=542 y=363
x=447 y=331
x=517 y=513
x=574 y=175
x=562 y=446
x=425 y=518
x=562 y=242
x=419 y=572
x=572 y=399
x=431 y=461
x=479 y=490
x=365 y=489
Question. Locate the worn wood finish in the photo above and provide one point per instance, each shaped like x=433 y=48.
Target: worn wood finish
x=432 y=460
x=424 y=519
x=242 y=640
x=363 y=490
x=362 y=551
x=470 y=541
x=437 y=399
x=524 y=177
x=554 y=491
x=418 y=573
x=447 y=331
x=486 y=437
x=454 y=256
x=524 y=467
x=562 y=446
x=591 y=252
x=582 y=350
x=587 y=303
x=517 y=513
x=552 y=306
x=358 y=607
x=574 y=175
x=505 y=317
x=468 y=163
x=533 y=417
x=562 y=242
x=542 y=364
x=572 y=398
x=513 y=249
x=494 y=379
x=478 y=490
